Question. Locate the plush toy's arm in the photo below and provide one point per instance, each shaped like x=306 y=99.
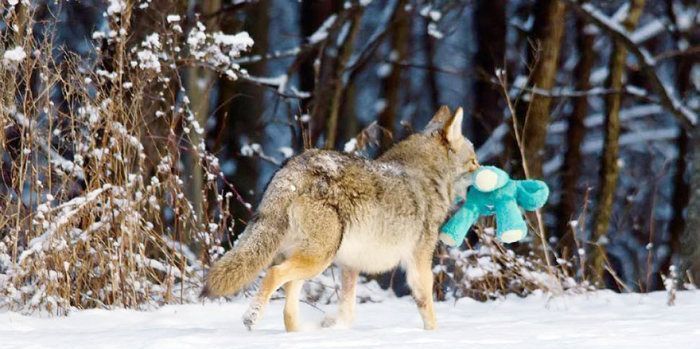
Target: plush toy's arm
x=531 y=194
x=455 y=229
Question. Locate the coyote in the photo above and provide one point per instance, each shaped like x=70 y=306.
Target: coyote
x=366 y=215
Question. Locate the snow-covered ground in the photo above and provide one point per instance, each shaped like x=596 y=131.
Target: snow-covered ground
x=596 y=320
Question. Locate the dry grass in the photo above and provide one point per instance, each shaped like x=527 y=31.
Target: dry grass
x=487 y=270
x=94 y=213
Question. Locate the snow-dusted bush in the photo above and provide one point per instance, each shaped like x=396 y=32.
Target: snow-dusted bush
x=94 y=210
x=487 y=270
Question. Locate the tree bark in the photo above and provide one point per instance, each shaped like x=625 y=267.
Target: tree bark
x=313 y=14
x=571 y=168
x=490 y=28
x=333 y=59
x=430 y=51
x=197 y=84
x=690 y=242
x=609 y=168
x=400 y=31
x=681 y=190
x=534 y=116
x=241 y=115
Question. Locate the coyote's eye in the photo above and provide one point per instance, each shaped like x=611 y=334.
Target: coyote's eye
x=472 y=164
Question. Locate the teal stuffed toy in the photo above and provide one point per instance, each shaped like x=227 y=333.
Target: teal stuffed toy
x=493 y=192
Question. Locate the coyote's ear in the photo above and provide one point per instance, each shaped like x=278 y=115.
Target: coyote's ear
x=453 y=128
x=439 y=120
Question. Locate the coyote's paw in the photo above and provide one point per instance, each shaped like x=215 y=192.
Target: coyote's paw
x=335 y=321
x=251 y=316
x=329 y=321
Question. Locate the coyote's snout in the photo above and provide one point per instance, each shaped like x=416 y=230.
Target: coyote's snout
x=366 y=215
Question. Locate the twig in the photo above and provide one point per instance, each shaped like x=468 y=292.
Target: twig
x=690 y=51
x=279 y=84
x=503 y=78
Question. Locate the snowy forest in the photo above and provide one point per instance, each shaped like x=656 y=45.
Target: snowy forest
x=138 y=137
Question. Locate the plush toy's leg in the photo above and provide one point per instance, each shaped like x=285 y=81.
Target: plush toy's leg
x=511 y=225
x=452 y=233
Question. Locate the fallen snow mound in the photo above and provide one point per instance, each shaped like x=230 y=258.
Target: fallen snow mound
x=595 y=320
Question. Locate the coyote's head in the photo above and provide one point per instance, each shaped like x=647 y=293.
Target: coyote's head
x=440 y=149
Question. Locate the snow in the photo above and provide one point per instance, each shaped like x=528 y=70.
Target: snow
x=595 y=320
x=240 y=41
x=648 y=31
x=322 y=32
x=350 y=146
x=287 y=152
x=16 y=54
x=115 y=7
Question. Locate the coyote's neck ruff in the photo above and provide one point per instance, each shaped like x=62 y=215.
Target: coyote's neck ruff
x=367 y=215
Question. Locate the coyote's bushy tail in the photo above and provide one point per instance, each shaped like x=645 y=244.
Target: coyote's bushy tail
x=253 y=251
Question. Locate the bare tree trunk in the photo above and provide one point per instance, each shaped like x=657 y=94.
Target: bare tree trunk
x=350 y=125
x=690 y=242
x=400 y=31
x=681 y=189
x=430 y=49
x=534 y=116
x=333 y=58
x=241 y=115
x=198 y=83
x=313 y=14
x=571 y=169
x=490 y=27
x=609 y=169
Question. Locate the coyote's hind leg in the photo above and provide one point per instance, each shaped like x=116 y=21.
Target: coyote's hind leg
x=297 y=268
x=346 y=306
x=319 y=233
x=292 y=290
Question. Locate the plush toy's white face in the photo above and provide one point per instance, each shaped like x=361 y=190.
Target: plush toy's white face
x=486 y=180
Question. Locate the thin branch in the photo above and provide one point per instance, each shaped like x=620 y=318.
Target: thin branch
x=503 y=78
x=274 y=55
x=278 y=83
x=567 y=92
x=690 y=51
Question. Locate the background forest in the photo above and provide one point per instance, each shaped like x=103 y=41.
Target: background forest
x=138 y=135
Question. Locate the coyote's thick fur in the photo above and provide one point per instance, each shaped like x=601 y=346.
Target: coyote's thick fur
x=366 y=215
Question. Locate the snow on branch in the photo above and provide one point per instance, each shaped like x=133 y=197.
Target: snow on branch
x=279 y=83
x=685 y=116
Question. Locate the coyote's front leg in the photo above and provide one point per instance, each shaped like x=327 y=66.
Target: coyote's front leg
x=346 y=306
x=419 y=275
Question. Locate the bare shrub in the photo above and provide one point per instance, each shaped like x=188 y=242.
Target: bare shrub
x=487 y=270
x=94 y=213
